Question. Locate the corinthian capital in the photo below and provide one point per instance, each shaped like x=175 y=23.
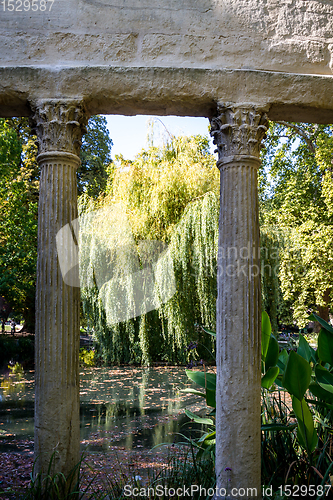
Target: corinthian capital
x=238 y=131
x=59 y=125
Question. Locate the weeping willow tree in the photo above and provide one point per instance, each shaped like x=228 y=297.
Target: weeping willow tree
x=169 y=197
x=194 y=250
x=160 y=211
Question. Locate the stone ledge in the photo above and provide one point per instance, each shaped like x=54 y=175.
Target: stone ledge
x=168 y=91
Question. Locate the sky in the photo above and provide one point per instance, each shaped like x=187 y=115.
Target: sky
x=129 y=133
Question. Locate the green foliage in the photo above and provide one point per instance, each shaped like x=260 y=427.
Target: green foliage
x=288 y=456
x=269 y=352
x=87 y=357
x=19 y=191
x=272 y=300
x=272 y=353
x=296 y=205
x=302 y=373
x=56 y=486
x=95 y=157
x=269 y=377
x=297 y=375
x=19 y=181
x=181 y=468
x=207 y=381
x=266 y=330
x=159 y=184
x=194 y=249
x=167 y=194
x=325 y=346
x=16 y=369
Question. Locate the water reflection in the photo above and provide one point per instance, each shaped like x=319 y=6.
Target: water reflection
x=127 y=407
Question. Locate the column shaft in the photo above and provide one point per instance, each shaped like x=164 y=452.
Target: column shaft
x=57 y=426
x=57 y=423
x=238 y=322
x=238 y=133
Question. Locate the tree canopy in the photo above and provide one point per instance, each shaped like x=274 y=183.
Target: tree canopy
x=19 y=182
x=297 y=209
x=169 y=194
x=19 y=190
x=95 y=157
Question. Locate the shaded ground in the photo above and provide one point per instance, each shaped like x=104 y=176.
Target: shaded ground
x=121 y=464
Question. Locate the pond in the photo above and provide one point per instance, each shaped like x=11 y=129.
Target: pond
x=126 y=407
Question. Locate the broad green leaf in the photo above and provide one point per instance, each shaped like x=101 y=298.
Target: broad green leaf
x=266 y=331
x=197 y=419
x=297 y=375
x=324 y=378
x=210 y=332
x=325 y=346
x=269 y=377
x=204 y=379
x=321 y=393
x=272 y=354
x=207 y=435
x=282 y=361
x=209 y=442
x=322 y=322
x=305 y=432
x=311 y=446
x=211 y=398
x=304 y=349
x=277 y=427
x=188 y=390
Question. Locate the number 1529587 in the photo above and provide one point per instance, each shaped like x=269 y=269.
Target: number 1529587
x=305 y=491
x=26 y=5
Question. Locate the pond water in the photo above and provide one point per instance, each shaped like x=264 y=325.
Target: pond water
x=127 y=407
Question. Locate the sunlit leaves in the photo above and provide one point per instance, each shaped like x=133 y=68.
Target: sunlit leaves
x=269 y=377
x=95 y=158
x=297 y=202
x=170 y=194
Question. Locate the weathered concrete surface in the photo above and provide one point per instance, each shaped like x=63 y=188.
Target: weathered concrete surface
x=142 y=56
x=273 y=35
x=193 y=92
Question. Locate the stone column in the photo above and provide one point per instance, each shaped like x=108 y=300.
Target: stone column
x=59 y=127
x=238 y=132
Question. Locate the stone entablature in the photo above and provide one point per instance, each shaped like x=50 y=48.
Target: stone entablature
x=286 y=35
x=276 y=54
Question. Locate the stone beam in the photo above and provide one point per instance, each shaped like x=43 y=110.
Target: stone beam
x=59 y=127
x=169 y=91
x=238 y=132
